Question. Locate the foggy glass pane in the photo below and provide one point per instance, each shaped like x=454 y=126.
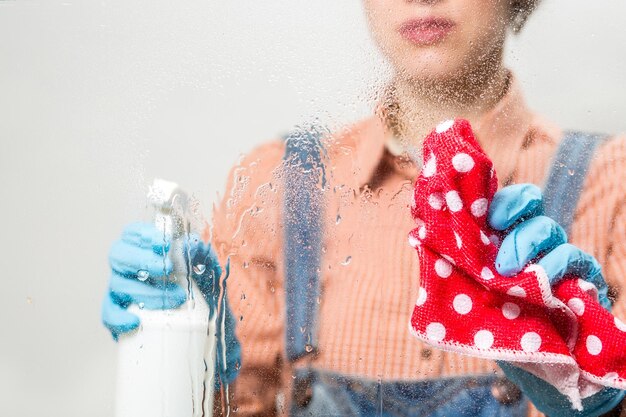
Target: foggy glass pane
x=211 y=206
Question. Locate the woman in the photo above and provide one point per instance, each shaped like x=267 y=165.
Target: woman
x=447 y=61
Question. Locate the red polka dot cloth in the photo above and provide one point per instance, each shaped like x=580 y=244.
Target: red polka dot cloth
x=561 y=335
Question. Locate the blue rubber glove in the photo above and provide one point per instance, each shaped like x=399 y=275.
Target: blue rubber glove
x=534 y=237
x=531 y=236
x=139 y=261
x=552 y=403
x=141 y=251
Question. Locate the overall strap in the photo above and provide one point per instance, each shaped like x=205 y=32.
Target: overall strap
x=304 y=179
x=567 y=175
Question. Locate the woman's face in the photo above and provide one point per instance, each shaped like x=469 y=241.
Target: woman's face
x=439 y=40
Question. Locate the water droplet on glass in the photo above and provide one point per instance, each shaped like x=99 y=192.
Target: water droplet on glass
x=237 y=366
x=308 y=348
x=570 y=172
x=246 y=265
x=302 y=329
x=142 y=275
x=243 y=296
x=141 y=306
x=338 y=219
x=347 y=261
x=240 y=318
x=199 y=269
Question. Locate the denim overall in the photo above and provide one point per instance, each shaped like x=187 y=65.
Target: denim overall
x=320 y=393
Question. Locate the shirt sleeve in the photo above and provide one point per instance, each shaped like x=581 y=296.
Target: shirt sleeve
x=247 y=234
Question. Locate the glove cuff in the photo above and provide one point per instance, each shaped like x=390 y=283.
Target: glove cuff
x=616 y=407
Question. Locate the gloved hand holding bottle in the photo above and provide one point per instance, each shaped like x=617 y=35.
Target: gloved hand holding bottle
x=139 y=262
x=531 y=236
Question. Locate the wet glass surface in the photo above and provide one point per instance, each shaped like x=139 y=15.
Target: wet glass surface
x=315 y=272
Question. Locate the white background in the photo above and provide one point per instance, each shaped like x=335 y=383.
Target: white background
x=99 y=97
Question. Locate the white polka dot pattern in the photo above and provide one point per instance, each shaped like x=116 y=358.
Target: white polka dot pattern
x=594 y=345
x=495 y=240
x=454 y=202
x=436 y=332
x=449 y=259
x=479 y=207
x=486 y=274
x=516 y=291
x=421 y=297
x=483 y=339
x=459 y=242
x=511 y=311
x=576 y=305
x=531 y=342
x=620 y=324
x=484 y=238
x=430 y=167
x=586 y=285
x=443 y=268
x=462 y=304
x=436 y=201
x=462 y=162
x=444 y=126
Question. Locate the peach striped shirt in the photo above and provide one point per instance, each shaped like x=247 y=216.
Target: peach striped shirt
x=369 y=274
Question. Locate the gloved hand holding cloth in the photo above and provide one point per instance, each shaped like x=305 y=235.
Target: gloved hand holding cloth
x=557 y=331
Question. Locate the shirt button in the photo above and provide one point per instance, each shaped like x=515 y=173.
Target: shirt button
x=426 y=353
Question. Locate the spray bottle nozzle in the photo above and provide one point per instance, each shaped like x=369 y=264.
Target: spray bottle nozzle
x=171 y=204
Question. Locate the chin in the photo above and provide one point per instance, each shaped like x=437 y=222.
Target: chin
x=429 y=67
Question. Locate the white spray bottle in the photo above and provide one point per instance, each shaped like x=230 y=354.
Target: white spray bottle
x=166 y=367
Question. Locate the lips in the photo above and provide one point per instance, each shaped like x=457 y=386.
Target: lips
x=426 y=31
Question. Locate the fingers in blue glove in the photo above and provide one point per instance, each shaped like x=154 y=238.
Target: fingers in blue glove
x=526 y=242
x=514 y=203
x=141 y=248
x=567 y=259
x=116 y=318
x=127 y=259
x=155 y=295
x=146 y=236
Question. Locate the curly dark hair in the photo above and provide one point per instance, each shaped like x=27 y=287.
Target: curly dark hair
x=520 y=11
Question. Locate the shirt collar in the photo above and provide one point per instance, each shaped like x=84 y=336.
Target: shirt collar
x=501 y=132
